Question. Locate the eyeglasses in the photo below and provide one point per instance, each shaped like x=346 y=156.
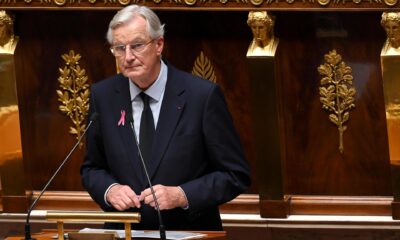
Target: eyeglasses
x=134 y=48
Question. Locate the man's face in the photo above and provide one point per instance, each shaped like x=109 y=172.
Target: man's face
x=140 y=65
x=392 y=29
x=260 y=30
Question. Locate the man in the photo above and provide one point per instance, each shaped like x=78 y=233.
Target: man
x=195 y=160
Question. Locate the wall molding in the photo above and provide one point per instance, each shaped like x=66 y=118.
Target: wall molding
x=243 y=204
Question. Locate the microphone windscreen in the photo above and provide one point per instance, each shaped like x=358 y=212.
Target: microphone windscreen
x=94 y=117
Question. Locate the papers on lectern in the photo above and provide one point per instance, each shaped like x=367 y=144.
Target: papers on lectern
x=172 y=235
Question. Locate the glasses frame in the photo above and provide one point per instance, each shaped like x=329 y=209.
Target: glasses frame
x=134 y=48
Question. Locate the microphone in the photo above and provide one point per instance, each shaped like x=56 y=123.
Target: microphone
x=162 y=227
x=93 y=118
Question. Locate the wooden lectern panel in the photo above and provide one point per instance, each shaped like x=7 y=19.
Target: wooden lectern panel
x=50 y=234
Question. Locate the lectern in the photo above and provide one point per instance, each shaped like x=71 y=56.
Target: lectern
x=49 y=235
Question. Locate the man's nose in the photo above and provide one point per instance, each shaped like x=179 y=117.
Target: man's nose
x=129 y=55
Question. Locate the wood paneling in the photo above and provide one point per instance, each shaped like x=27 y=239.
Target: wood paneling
x=44 y=37
x=244 y=204
x=311 y=160
x=314 y=165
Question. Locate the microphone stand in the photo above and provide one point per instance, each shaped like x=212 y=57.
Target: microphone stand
x=162 y=227
x=27 y=224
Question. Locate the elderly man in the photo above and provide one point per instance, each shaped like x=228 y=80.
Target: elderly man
x=184 y=130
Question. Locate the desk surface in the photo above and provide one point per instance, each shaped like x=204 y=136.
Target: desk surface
x=50 y=234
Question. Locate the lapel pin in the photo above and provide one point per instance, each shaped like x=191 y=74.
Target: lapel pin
x=122 y=118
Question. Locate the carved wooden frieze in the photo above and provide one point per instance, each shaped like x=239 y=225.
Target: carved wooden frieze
x=202 y=4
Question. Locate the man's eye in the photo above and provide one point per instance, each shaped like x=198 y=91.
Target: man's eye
x=120 y=48
x=137 y=46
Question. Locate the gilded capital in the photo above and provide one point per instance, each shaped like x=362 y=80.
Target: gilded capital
x=8 y=40
x=262 y=27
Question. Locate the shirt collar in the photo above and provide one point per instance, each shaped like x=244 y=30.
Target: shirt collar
x=156 y=90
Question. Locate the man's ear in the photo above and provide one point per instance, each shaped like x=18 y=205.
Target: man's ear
x=160 y=45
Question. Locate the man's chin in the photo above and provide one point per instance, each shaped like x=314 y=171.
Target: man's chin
x=131 y=74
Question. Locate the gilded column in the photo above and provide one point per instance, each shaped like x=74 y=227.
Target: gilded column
x=261 y=62
x=390 y=61
x=11 y=164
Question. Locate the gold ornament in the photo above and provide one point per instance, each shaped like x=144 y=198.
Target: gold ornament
x=74 y=93
x=190 y=2
x=391 y=2
x=336 y=91
x=124 y=2
x=256 y=2
x=323 y=2
x=203 y=68
x=60 y=2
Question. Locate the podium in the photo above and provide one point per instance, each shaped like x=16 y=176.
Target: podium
x=51 y=234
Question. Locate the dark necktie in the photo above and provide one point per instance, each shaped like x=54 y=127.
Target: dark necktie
x=147 y=129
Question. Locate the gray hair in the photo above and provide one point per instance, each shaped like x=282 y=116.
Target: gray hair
x=154 y=26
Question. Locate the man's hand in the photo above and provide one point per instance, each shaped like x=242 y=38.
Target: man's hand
x=122 y=197
x=167 y=197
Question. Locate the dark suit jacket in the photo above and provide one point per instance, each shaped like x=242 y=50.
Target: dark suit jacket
x=195 y=147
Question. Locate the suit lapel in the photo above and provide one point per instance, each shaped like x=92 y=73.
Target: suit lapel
x=123 y=103
x=170 y=113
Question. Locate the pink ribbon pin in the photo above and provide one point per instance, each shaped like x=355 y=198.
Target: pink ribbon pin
x=122 y=118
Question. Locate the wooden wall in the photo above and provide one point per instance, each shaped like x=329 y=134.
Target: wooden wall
x=312 y=164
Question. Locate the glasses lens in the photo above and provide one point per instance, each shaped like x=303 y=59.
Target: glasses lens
x=135 y=48
x=119 y=50
x=138 y=47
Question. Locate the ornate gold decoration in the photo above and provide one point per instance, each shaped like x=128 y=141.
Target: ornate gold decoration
x=203 y=68
x=60 y=2
x=201 y=3
x=264 y=43
x=74 y=93
x=188 y=2
x=8 y=41
x=256 y=2
x=323 y=2
x=124 y=2
x=391 y=2
x=336 y=91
